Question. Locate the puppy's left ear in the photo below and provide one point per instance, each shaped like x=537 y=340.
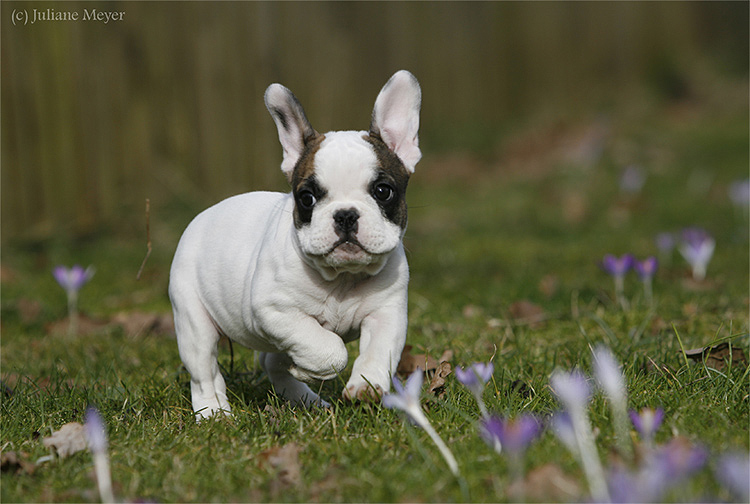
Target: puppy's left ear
x=294 y=129
x=395 y=118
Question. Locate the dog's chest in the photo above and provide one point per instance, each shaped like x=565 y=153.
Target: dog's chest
x=340 y=310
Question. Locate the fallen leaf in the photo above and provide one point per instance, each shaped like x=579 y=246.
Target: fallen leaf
x=70 y=439
x=526 y=312
x=547 y=483
x=437 y=384
x=549 y=285
x=285 y=460
x=411 y=362
x=658 y=325
x=29 y=310
x=86 y=325
x=16 y=463
x=718 y=356
x=7 y=274
x=333 y=485
x=136 y=323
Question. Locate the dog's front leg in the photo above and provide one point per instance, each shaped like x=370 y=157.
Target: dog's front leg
x=315 y=352
x=382 y=339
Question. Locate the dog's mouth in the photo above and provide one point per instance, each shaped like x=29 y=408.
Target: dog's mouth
x=348 y=244
x=347 y=255
x=348 y=251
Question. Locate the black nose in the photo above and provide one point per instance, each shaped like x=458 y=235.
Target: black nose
x=345 y=221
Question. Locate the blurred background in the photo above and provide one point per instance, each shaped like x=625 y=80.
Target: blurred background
x=167 y=104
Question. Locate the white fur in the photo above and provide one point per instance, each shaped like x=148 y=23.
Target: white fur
x=243 y=270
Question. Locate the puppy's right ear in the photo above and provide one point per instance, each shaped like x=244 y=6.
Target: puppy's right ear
x=294 y=128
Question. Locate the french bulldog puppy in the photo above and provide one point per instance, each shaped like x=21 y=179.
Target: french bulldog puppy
x=296 y=276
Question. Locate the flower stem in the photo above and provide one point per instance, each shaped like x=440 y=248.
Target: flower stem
x=72 y=312
x=516 y=469
x=620 y=413
x=422 y=421
x=592 y=466
x=103 y=477
x=649 y=291
x=480 y=402
x=620 y=291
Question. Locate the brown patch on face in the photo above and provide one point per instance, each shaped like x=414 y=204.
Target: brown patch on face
x=305 y=166
x=390 y=171
x=303 y=181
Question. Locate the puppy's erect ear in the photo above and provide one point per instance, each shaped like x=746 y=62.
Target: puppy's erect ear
x=395 y=118
x=294 y=128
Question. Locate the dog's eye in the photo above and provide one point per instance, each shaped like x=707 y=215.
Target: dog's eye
x=383 y=192
x=306 y=199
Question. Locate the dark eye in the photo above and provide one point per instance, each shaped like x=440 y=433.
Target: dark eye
x=306 y=199
x=383 y=192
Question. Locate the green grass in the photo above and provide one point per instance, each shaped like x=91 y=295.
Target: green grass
x=484 y=242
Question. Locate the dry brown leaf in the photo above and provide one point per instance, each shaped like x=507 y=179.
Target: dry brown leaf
x=411 y=362
x=526 y=312
x=437 y=384
x=136 y=323
x=86 y=325
x=16 y=463
x=547 y=483
x=718 y=356
x=549 y=285
x=29 y=310
x=7 y=274
x=70 y=439
x=285 y=460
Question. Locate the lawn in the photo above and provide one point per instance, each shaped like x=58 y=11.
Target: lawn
x=505 y=250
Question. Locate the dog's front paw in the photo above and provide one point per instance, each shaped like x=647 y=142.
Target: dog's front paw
x=363 y=392
x=311 y=376
x=319 y=366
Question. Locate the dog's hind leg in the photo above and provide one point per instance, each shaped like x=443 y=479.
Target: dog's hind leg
x=276 y=366
x=197 y=340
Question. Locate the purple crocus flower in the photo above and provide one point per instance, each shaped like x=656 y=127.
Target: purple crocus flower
x=697 y=247
x=574 y=393
x=72 y=279
x=617 y=266
x=406 y=398
x=475 y=375
x=572 y=389
x=632 y=179
x=97 y=438
x=733 y=470
x=739 y=193
x=665 y=242
x=663 y=470
x=96 y=433
x=646 y=268
x=678 y=459
x=474 y=378
x=611 y=380
x=515 y=435
x=647 y=422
